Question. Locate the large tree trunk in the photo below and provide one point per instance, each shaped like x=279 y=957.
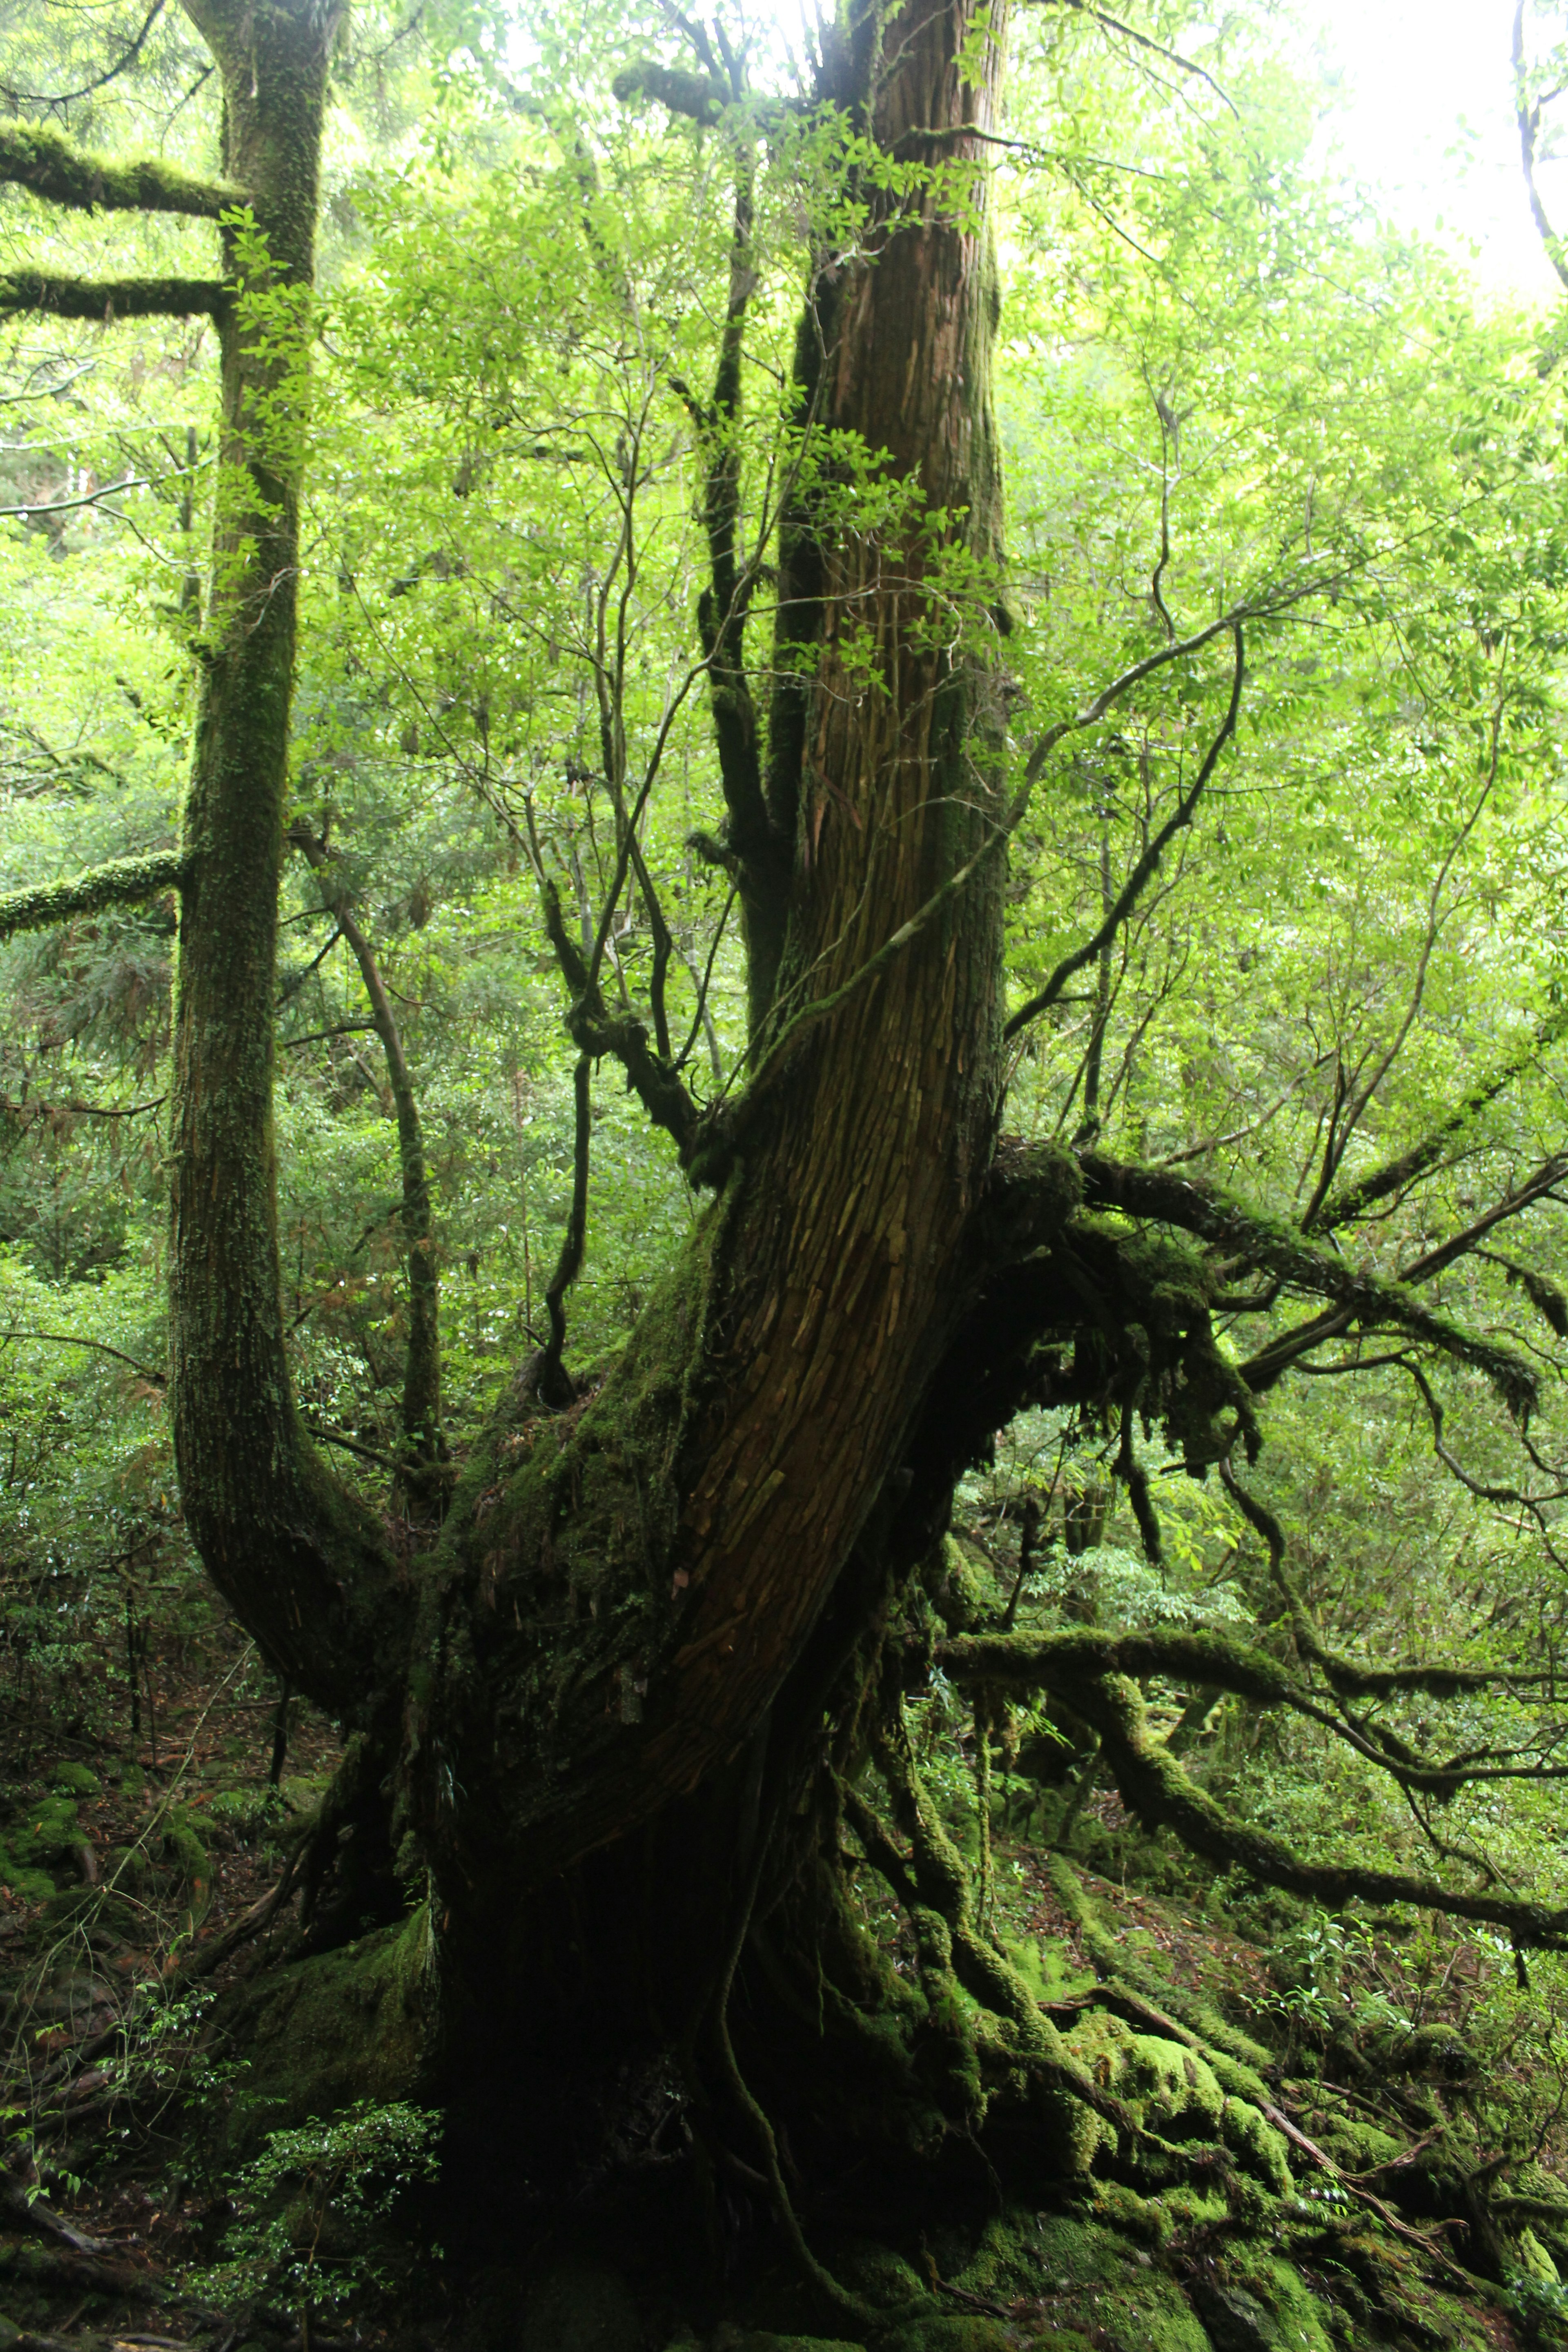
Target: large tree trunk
x=627 y=1593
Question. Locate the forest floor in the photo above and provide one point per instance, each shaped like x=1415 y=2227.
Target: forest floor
x=124 y=1859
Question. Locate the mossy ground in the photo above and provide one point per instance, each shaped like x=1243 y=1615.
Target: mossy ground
x=1214 y=2244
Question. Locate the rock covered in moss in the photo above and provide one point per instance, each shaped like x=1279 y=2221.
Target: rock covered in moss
x=1265 y=2307
x=1088 y=2281
x=582 y=2306
x=761 y=2340
x=352 y=2024
x=955 y=2332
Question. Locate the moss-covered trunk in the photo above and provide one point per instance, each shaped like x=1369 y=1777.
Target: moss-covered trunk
x=275 y=1535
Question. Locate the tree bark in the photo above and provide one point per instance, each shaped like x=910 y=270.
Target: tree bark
x=303 y=1566
x=623 y=1606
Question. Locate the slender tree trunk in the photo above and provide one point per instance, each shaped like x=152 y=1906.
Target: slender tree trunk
x=277 y=1538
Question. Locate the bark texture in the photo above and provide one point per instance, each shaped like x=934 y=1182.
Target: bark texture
x=632 y=1589
x=298 y=1561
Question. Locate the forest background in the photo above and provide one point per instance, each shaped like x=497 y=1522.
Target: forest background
x=1222 y=381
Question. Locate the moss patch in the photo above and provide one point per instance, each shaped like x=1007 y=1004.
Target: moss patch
x=1087 y=2281
x=352 y=2024
x=580 y=2307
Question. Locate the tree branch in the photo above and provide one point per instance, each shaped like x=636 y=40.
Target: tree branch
x=32 y=155
x=423 y=1451
x=109 y=299
x=128 y=56
x=1215 y=1218
x=1153 y=1785
x=596 y=1032
x=1132 y=888
x=1527 y=118
x=101 y=1347
x=1344 y=1208
x=120 y=883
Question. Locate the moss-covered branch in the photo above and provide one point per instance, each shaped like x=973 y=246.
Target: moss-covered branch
x=32 y=155
x=1185 y=1655
x=120 y=883
x=108 y=298
x=699 y=97
x=1282 y=1251
x=1345 y=1207
x=1153 y=1785
x=1203 y=1658
x=596 y=1032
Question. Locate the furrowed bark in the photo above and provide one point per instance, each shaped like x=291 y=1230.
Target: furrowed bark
x=123 y=883
x=109 y=299
x=304 y=1567
x=823 y=1289
x=33 y=156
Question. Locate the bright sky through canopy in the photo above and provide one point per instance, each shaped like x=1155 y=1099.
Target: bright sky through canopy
x=1425 y=118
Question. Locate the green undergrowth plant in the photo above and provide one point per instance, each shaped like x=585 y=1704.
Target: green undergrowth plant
x=308 y=2236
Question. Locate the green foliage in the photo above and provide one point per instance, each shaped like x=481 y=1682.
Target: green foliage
x=303 y=2236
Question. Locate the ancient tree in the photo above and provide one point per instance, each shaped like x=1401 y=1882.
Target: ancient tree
x=623 y=1690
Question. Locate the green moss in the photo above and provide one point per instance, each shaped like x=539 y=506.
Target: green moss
x=352 y=2024
x=1090 y=2275
x=38 y=156
x=579 y=2306
x=1292 y=2317
x=1253 y=2140
x=1535 y=2262
x=123 y=882
x=74 y=1780
x=965 y=2332
x=25 y=1881
x=1046 y=1965
x=760 y=2340
x=47 y=1833
x=1357 y=2146
x=186 y=1833
x=563 y=1527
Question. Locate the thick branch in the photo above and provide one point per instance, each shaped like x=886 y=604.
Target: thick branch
x=1153 y=1784
x=1217 y=1662
x=1223 y=1222
x=693 y=95
x=34 y=156
x=121 y=883
x=108 y=298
